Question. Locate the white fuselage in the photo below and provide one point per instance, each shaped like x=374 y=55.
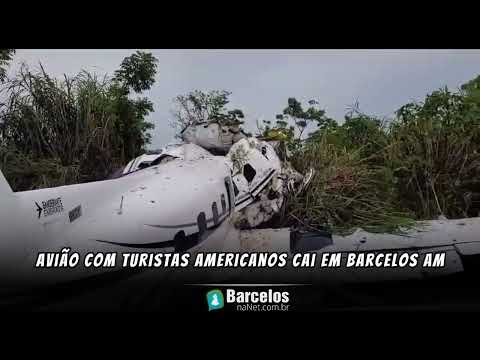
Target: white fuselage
x=167 y=207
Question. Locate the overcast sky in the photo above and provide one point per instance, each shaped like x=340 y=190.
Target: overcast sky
x=261 y=81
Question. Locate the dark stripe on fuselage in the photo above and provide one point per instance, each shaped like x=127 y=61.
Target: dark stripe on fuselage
x=263 y=181
x=155 y=245
x=181 y=242
x=249 y=196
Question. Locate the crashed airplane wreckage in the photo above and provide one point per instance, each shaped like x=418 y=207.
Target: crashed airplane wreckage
x=260 y=179
x=207 y=194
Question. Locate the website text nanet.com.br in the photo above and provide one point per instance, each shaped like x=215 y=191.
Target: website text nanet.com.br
x=263 y=307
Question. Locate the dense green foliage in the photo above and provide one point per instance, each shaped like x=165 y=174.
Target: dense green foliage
x=422 y=164
x=78 y=129
x=347 y=191
x=435 y=154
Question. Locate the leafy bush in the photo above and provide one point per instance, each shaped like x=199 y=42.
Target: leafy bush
x=56 y=132
x=434 y=152
x=424 y=164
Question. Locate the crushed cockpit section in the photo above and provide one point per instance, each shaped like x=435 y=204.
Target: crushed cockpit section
x=262 y=177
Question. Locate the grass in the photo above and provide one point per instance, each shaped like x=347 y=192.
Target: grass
x=346 y=192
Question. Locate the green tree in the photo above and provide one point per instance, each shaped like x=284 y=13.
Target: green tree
x=137 y=72
x=291 y=124
x=302 y=118
x=198 y=107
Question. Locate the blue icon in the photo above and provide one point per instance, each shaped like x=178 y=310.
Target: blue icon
x=215 y=300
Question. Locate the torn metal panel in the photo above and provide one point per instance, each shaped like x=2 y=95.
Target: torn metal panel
x=261 y=209
x=213 y=136
x=140 y=162
x=182 y=152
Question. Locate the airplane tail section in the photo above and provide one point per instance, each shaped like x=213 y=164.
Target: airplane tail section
x=9 y=208
x=15 y=250
x=5 y=189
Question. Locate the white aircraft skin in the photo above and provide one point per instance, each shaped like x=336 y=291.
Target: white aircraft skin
x=263 y=159
x=144 y=210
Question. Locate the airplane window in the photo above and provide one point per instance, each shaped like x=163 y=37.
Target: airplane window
x=249 y=172
x=215 y=213
x=224 y=204
x=162 y=159
x=179 y=240
x=228 y=182
x=143 y=165
x=235 y=189
x=183 y=242
x=202 y=224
